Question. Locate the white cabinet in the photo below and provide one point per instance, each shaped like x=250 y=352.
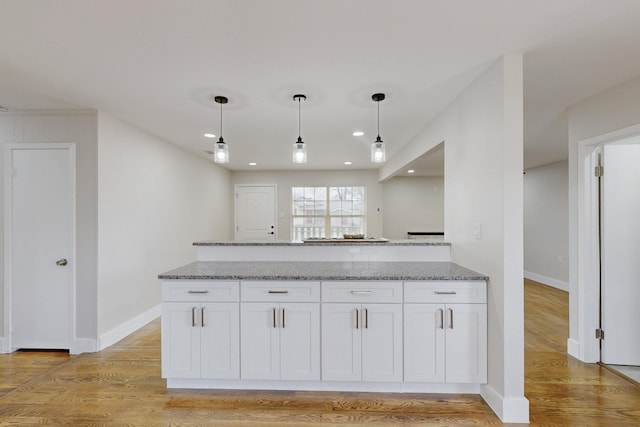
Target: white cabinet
x=445 y=342
x=280 y=340
x=361 y=341
x=200 y=340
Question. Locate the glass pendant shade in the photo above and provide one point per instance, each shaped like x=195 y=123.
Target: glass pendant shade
x=221 y=152
x=299 y=151
x=378 y=154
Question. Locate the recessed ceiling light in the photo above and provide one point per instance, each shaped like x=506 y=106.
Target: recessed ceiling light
x=410 y=171
x=358 y=133
x=348 y=163
x=252 y=163
x=209 y=135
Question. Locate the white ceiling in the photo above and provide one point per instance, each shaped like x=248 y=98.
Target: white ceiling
x=158 y=64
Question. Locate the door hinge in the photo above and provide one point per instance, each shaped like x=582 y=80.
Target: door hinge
x=599 y=334
x=599 y=171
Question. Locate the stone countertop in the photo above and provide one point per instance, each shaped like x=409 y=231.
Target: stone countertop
x=302 y=270
x=329 y=242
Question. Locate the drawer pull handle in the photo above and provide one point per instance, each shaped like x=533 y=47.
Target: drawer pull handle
x=366 y=318
x=445 y=292
x=361 y=292
x=278 y=292
x=198 y=292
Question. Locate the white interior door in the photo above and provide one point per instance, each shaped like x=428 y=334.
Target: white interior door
x=256 y=212
x=41 y=191
x=621 y=254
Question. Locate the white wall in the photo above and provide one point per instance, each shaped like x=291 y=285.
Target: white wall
x=155 y=200
x=412 y=204
x=77 y=127
x=546 y=224
x=284 y=180
x=483 y=133
x=591 y=122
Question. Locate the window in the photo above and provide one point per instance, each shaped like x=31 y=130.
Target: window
x=323 y=212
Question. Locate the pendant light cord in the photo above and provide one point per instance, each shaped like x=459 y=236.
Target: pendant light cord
x=221 y=120
x=378 y=119
x=299 y=118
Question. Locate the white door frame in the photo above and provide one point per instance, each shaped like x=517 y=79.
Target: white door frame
x=585 y=285
x=235 y=206
x=8 y=178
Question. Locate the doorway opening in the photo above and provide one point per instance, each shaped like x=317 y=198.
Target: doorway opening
x=618 y=178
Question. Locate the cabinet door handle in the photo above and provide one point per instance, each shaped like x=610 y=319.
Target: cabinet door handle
x=278 y=292
x=202 y=316
x=274 y=317
x=191 y=291
x=283 y=318
x=445 y=292
x=361 y=292
x=441 y=318
x=193 y=317
x=451 y=318
x=357 y=319
x=366 y=318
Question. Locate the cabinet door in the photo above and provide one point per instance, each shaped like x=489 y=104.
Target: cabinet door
x=180 y=340
x=424 y=343
x=259 y=342
x=300 y=341
x=466 y=348
x=381 y=342
x=219 y=340
x=341 y=342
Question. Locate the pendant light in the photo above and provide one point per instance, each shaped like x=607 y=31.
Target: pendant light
x=221 y=151
x=378 y=154
x=299 y=149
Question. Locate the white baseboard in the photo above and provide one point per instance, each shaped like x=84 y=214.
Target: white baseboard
x=113 y=336
x=83 y=345
x=509 y=410
x=554 y=283
x=573 y=348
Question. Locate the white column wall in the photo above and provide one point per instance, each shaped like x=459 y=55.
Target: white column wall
x=546 y=225
x=80 y=128
x=483 y=134
x=154 y=201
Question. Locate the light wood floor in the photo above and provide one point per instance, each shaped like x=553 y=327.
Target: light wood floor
x=122 y=386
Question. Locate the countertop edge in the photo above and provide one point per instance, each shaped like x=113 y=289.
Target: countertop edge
x=416 y=242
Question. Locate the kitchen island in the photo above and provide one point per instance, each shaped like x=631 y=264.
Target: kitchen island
x=283 y=324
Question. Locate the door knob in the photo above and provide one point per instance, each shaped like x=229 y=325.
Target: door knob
x=61 y=262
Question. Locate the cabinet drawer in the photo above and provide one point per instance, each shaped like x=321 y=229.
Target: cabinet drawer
x=265 y=290
x=196 y=290
x=446 y=291
x=373 y=291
